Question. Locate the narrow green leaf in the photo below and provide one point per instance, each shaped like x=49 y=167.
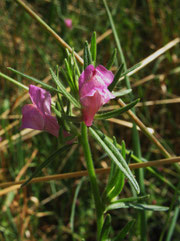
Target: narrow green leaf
x=93 y=48
x=147 y=207
x=69 y=71
x=123 y=149
x=47 y=162
x=121 y=92
x=106 y=228
x=150 y=169
x=111 y=182
x=116 y=78
x=139 y=206
x=76 y=64
x=71 y=76
x=119 y=184
x=112 y=59
x=124 y=231
x=115 y=185
x=87 y=55
x=44 y=85
x=117 y=205
x=14 y=81
x=114 y=113
x=64 y=91
x=115 y=155
x=131 y=199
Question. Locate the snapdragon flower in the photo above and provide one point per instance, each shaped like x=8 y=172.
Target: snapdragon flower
x=38 y=116
x=93 y=90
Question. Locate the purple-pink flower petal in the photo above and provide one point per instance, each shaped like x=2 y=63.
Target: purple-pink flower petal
x=93 y=103
x=93 y=90
x=105 y=74
x=32 y=118
x=51 y=125
x=86 y=75
x=41 y=98
x=38 y=115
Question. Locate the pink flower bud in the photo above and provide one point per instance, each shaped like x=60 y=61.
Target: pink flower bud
x=93 y=90
x=68 y=23
x=37 y=115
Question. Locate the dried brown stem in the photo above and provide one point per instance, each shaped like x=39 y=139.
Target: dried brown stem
x=11 y=185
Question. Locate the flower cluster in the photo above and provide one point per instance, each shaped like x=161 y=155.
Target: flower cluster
x=93 y=92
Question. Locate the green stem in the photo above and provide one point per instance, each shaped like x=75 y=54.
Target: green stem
x=92 y=177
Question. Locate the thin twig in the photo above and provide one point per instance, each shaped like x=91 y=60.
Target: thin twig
x=153 y=56
x=145 y=130
x=127 y=124
x=85 y=173
x=159 y=102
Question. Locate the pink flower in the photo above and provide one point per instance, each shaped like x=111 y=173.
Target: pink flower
x=68 y=23
x=93 y=90
x=38 y=115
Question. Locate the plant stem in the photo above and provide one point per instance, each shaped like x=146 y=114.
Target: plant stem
x=93 y=179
